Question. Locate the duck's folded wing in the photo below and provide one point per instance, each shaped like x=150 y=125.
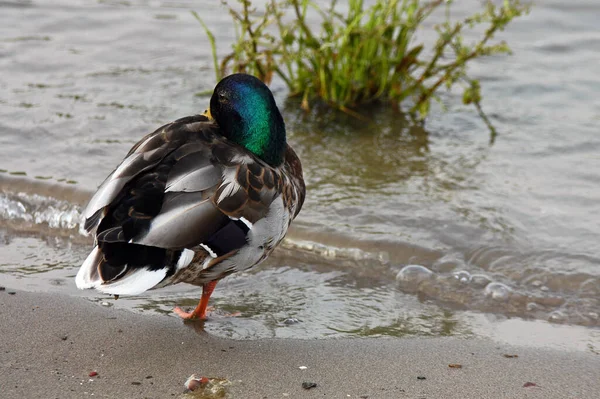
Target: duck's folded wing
x=182 y=187
x=210 y=201
x=145 y=155
x=168 y=205
x=154 y=208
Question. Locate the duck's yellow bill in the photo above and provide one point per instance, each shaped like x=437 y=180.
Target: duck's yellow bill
x=207 y=114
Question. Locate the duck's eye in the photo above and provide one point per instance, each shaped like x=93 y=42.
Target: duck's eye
x=222 y=98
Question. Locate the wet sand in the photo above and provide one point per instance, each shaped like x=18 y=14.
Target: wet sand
x=50 y=343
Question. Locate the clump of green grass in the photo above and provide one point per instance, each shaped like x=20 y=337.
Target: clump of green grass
x=364 y=54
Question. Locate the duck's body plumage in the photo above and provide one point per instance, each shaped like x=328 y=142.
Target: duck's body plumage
x=188 y=205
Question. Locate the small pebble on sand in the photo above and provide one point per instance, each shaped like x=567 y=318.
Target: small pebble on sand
x=194 y=382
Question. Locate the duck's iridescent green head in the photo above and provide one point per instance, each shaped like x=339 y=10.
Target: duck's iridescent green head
x=246 y=112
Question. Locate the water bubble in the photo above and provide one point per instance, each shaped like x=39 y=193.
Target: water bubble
x=290 y=321
x=480 y=280
x=448 y=263
x=498 y=291
x=414 y=274
x=462 y=276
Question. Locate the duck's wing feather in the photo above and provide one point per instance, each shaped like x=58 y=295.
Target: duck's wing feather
x=247 y=190
x=146 y=154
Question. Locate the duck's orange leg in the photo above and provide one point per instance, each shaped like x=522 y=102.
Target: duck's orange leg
x=200 y=311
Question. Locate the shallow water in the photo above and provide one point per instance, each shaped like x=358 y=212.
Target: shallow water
x=509 y=229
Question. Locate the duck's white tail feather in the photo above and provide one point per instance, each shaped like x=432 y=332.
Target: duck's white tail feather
x=88 y=276
x=186 y=257
x=133 y=283
x=130 y=280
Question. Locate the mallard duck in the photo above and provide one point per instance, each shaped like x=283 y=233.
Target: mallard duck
x=200 y=198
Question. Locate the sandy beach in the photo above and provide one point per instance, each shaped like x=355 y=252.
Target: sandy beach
x=50 y=344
